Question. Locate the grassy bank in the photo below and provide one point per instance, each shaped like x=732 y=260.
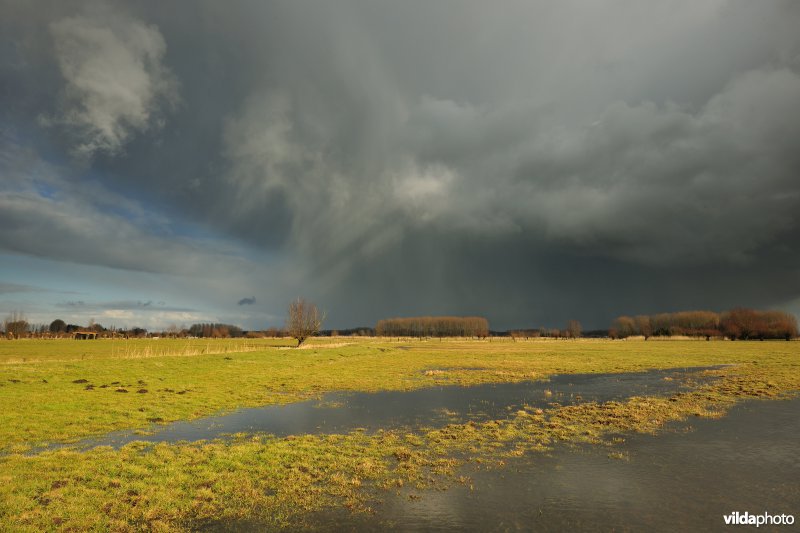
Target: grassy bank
x=56 y=391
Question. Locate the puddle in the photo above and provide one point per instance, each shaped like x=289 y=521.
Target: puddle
x=430 y=407
x=675 y=481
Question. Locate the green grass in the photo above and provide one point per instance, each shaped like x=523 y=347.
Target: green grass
x=279 y=481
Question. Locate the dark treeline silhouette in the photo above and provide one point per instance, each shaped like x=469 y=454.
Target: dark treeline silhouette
x=363 y=331
x=595 y=334
x=433 y=326
x=537 y=333
x=57 y=329
x=215 y=330
x=574 y=330
x=15 y=327
x=739 y=323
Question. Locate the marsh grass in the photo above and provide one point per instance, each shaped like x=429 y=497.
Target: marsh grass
x=280 y=482
x=64 y=350
x=136 y=352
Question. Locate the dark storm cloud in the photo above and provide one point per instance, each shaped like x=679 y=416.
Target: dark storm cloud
x=247 y=301
x=530 y=162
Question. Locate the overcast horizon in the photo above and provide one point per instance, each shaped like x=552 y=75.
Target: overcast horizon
x=530 y=162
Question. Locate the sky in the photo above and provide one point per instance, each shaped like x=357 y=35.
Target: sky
x=527 y=161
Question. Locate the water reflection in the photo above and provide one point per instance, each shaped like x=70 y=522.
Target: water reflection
x=684 y=480
x=430 y=407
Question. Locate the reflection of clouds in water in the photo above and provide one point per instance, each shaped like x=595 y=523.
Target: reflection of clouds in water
x=434 y=509
x=433 y=407
x=672 y=481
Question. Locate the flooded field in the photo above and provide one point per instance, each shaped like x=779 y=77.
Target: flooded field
x=445 y=435
x=682 y=480
x=429 y=407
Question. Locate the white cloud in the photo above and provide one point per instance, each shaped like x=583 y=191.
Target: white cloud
x=266 y=158
x=423 y=190
x=116 y=81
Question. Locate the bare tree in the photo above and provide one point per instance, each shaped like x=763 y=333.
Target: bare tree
x=574 y=329
x=304 y=320
x=643 y=326
x=15 y=325
x=623 y=326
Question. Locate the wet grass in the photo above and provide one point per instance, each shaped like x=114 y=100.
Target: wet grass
x=279 y=482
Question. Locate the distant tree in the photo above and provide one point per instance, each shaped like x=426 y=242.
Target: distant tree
x=433 y=326
x=643 y=327
x=574 y=329
x=15 y=325
x=58 y=326
x=694 y=323
x=214 y=330
x=739 y=323
x=304 y=320
x=660 y=324
x=779 y=325
x=742 y=323
x=624 y=326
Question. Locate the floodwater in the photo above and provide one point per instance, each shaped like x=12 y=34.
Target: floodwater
x=683 y=480
x=429 y=407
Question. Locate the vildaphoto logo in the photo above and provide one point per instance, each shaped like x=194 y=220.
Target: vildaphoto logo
x=746 y=519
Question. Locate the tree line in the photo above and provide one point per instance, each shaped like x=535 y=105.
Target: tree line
x=16 y=326
x=574 y=330
x=305 y=321
x=736 y=324
x=212 y=330
x=433 y=326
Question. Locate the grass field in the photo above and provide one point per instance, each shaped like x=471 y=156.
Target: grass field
x=64 y=390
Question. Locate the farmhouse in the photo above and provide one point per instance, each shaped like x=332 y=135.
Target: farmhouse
x=84 y=335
